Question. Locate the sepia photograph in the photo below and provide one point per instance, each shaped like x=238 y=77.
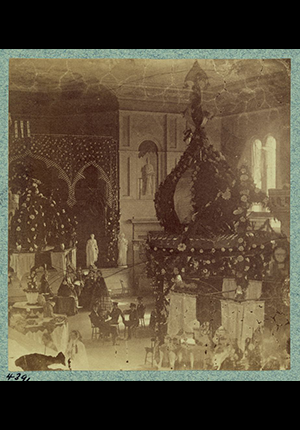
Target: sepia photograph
x=149 y=215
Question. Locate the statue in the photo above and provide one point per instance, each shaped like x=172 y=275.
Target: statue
x=149 y=178
x=123 y=250
x=92 y=252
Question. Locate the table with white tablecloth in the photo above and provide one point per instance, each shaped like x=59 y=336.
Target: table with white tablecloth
x=30 y=321
x=22 y=263
x=183 y=313
x=57 y=328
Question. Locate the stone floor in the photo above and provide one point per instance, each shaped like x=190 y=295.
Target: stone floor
x=127 y=355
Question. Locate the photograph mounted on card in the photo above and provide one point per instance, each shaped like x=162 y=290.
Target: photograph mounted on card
x=149 y=215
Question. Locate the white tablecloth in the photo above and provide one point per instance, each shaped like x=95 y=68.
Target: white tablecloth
x=22 y=263
x=183 y=313
x=241 y=320
x=59 y=260
x=60 y=336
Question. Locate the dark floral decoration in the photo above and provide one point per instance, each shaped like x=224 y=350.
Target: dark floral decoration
x=41 y=221
x=69 y=155
x=220 y=241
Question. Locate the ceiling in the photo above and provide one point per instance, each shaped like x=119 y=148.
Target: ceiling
x=235 y=85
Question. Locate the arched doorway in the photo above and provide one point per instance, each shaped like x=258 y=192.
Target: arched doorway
x=92 y=213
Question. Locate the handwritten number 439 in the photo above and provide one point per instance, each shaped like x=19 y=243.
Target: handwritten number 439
x=17 y=377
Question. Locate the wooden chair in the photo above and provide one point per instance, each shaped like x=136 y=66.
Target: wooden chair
x=96 y=334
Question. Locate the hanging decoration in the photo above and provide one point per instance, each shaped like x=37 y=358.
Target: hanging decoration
x=218 y=241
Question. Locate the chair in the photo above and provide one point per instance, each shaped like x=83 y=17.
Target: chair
x=130 y=329
x=117 y=327
x=150 y=351
x=96 y=334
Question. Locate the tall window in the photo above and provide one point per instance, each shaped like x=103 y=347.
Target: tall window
x=257 y=165
x=264 y=163
x=270 y=162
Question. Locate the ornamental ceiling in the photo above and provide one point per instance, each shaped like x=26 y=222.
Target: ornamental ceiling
x=236 y=86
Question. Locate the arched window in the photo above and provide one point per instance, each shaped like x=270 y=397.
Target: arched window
x=257 y=165
x=264 y=163
x=270 y=162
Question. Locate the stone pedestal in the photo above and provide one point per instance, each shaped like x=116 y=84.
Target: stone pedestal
x=242 y=319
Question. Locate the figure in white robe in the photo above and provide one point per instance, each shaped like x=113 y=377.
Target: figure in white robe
x=76 y=354
x=150 y=178
x=92 y=252
x=123 y=250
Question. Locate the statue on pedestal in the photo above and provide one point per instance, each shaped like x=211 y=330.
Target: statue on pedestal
x=92 y=252
x=123 y=250
x=149 y=173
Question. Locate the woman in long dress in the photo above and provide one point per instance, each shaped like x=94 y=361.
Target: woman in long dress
x=76 y=353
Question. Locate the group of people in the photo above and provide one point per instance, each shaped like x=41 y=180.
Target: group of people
x=85 y=289
x=93 y=289
x=108 y=321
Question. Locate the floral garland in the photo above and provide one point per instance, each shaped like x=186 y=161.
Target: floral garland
x=71 y=154
x=212 y=202
x=248 y=194
x=241 y=253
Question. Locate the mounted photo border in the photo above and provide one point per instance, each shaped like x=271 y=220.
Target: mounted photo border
x=294 y=55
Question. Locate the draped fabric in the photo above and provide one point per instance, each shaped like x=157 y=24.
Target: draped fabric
x=59 y=336
x=22 y=264
x=241 y=320
x=183 y=313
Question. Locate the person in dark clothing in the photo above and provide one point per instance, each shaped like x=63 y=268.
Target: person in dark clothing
x=87 y=292
x=45 y=286
x=133 y=322
x=141 y=308
x=100 y=290
x=98 y=320
x=154 y=320
x=116 y=313
x=65 y=290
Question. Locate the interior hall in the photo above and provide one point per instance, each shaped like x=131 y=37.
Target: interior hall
x=106 y=181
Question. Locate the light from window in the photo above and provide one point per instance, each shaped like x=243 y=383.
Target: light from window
x=271 y=160
x=264 y=163
x=257 y=165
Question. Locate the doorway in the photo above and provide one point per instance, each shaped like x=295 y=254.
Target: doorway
x=92 y=212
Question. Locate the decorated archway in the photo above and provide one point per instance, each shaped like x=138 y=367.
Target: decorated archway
x=63 y=164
